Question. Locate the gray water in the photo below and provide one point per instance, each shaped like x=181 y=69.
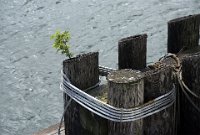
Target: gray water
x=30 y=98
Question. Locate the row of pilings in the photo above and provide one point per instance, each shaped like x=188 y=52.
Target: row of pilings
x=181 y=118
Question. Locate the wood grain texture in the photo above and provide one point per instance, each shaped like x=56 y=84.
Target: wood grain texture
x=83 y=72
x=190 y=117
x=183 y=32
x=125 y=91
x=158 y=82
x=148 y=92
x=132 y=52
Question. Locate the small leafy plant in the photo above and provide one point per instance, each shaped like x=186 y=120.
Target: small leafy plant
x=61 y=42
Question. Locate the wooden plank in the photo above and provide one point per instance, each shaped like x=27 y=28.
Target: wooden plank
x=52 y=130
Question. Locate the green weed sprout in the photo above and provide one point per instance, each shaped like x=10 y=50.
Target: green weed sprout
x=61 y=42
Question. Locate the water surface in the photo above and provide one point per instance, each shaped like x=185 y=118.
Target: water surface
x=30 y=98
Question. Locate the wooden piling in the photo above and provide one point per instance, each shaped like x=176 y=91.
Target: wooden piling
x=128 y=89
x=183 y=32
x=183 y=127
x=132 y=52
x=158 y=82
x=125 y=91
x=190 y=117
x=83 y=72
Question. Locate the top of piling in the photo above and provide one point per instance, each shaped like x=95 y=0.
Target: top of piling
x=132 y=37
x=125 y=76
x=79 y=57
x=183 y=18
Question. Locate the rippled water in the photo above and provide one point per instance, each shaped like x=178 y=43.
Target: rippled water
x=30 y=98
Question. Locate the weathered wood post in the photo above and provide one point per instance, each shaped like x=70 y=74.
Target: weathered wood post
x=190 y=117
x=125 y=91
x=158 y=82
x=132 y=52
x=131 y=55
x=183 y=32
x=83 y=72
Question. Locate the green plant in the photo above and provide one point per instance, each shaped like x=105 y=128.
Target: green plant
x=61 y=42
